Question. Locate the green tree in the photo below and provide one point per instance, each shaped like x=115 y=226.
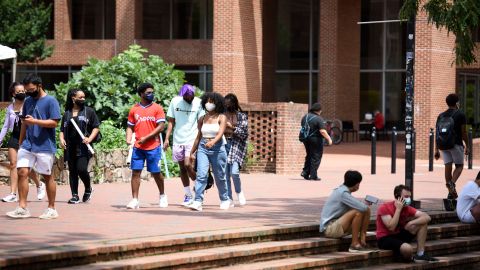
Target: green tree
x=460 y=17
x=23 y=26
x=110 y=85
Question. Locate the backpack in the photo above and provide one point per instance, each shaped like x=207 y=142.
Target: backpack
x=305 y=129
x=445 y=132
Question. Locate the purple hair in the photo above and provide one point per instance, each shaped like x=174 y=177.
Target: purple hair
x=186 y=89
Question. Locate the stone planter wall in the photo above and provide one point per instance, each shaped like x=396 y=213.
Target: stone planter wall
x=104 y=167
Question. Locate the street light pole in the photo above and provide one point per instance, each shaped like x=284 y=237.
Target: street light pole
x=409 y=107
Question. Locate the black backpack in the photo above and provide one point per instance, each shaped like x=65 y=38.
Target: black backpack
x=305 y=129
x=445 y=132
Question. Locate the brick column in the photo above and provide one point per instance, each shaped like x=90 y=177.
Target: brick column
x=61 y=28
x=434 y=78
x=237 y=48
x=339 y=63
x=124 y=24
x=290 y=152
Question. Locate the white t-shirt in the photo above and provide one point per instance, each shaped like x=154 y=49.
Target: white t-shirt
x=467 y=200
x=186 y=116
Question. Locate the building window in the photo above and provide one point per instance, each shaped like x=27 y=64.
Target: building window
x=177 y=19
x=199 y=76
x=297 y=51
x=382 y=66
x=468 y=87
x=93 y=19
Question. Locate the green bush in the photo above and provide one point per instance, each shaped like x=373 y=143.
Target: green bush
x=110 y=85
x=3 y=113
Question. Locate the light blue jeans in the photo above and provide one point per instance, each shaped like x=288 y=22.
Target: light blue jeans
x=217 y=157
x=232 y=172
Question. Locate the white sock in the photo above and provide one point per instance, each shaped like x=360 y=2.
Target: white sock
x=420 y=253
x=187 y=190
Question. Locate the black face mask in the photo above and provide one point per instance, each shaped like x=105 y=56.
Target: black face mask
x=79 y=102
x=33 y=94
x=20 y=96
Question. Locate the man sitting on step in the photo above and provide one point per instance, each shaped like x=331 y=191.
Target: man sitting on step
x=468 y=205
x=343 y=214
x=398 y=224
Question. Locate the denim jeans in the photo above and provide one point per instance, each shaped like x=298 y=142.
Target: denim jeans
x=217 y=157
x=232 y=172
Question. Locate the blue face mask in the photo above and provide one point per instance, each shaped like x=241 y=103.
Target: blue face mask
x=150 y=97
x=407 y=201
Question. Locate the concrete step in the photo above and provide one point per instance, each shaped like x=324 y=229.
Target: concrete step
x=382 y=259
x=268 y=251
x=130 y=248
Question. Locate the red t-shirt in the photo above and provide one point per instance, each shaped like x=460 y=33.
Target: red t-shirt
x=379 y=121
x=389 y=209
x=144 y=119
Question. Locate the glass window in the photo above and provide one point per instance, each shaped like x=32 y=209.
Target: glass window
x=292 y=87
x=370 y=92
x=394 y=97
x=393 y=9
x=293 y=34
x=177 y=19
x=93 y=19
x=200 y=76
x=372 y=10
x=371 y=46
x=156 y=19
x=395 y=45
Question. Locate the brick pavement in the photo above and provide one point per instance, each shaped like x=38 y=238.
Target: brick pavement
x=271 y=199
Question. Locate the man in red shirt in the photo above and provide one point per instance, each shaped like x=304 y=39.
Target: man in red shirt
x=379 y=120
x=398 y=224
x=146 y=119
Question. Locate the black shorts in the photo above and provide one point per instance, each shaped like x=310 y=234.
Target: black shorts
x=13 y=143
x=394 y=241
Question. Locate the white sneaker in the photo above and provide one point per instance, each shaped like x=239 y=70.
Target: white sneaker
x=19 y=212
x=41 y=191
x=187 y=200
x=12 y=197
x=50 y=213
x=163 y=201
x=224 y=205
x=241 y=198
x=133 y=204
x=196 y=205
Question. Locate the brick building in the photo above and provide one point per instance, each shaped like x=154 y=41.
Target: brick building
x=274 y=51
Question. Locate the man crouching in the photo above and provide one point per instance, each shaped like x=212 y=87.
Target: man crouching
x=343 y=214
x=398 y=224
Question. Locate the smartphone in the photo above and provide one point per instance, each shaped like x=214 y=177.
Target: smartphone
x=371 y=199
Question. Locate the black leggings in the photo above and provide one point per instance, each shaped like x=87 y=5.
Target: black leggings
x=78 y=167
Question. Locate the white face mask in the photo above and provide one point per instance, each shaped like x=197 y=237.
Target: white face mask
x=407 y=201
x=210 y=106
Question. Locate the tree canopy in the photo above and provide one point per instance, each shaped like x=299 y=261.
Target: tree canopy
x=460 y=17
x=24 y=26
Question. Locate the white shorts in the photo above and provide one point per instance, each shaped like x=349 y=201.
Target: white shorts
x=43 y=162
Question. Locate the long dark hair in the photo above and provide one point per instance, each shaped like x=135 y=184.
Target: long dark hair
x=70 y=95
x=233 y=102
x=11 y=89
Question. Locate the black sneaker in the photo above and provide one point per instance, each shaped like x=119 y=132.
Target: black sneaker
x=314 y=179
x=74 y=200
x=424 y=258
x=304 y=175
x=87 y=195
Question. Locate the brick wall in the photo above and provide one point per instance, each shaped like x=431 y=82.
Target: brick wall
x=434 y=78
x=237 y=48
x=273 y=132
x=339 y=63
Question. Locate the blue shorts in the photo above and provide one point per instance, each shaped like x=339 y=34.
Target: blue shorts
x=151 y=156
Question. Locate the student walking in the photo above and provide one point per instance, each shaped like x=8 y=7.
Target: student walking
x=183 y=114
x=210 y=144
x=236 y=133
x=76 y=152
x=40 y=115
x=13 y=124
x=147 y=120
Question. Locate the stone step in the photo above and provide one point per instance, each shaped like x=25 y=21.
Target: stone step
x=80 y=254
x=267 y=251
x=377 y=260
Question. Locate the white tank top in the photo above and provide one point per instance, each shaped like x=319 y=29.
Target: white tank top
x=210 y=130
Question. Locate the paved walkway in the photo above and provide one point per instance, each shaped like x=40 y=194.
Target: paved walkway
x=272 y=199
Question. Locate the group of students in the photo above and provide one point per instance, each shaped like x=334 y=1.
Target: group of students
x=210 y=132
x=397 y=222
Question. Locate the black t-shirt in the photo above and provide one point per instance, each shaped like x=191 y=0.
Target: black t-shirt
x=460 y=119
x=86 y=120
x=315 y=122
